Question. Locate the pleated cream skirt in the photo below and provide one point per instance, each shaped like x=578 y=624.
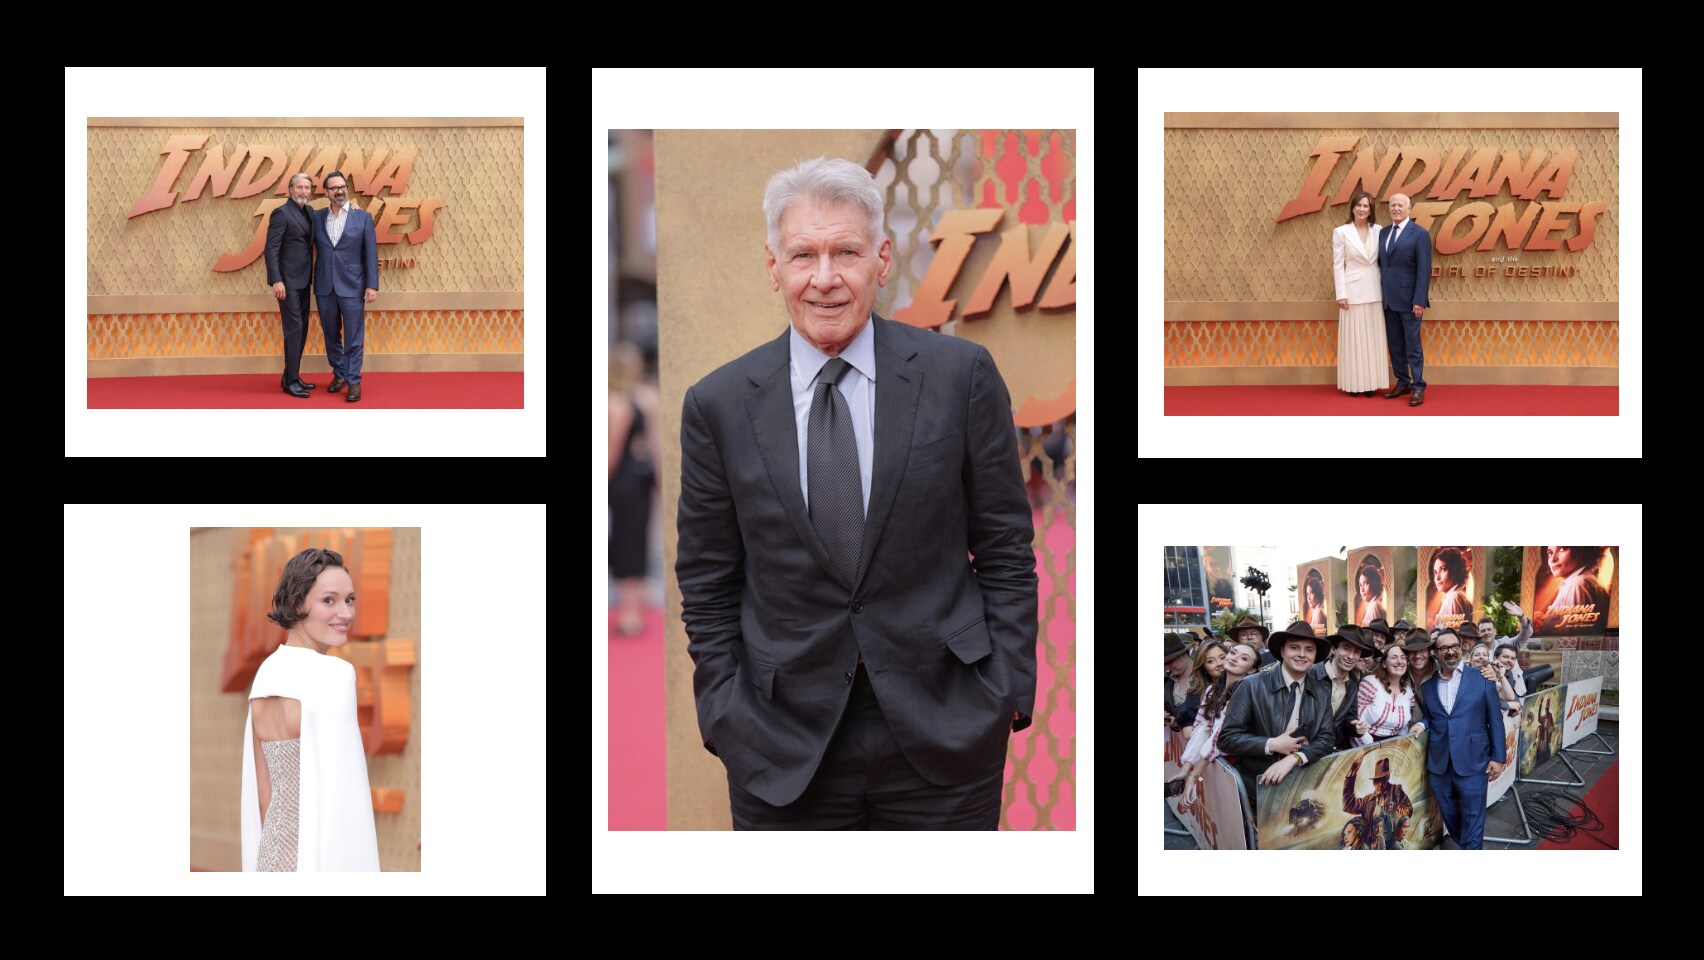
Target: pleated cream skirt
x=1363 y=360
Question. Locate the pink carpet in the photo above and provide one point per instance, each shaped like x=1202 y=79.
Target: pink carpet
x=260 y=390
x=638 y=795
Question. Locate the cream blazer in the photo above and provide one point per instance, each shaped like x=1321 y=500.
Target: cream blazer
x=1354 y=268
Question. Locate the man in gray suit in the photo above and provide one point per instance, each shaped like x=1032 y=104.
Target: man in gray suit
x=289 y=270
x=854 y=670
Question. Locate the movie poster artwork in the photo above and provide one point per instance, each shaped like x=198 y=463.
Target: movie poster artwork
x=1451 y=581
x=1511 y=749
x=1320 y=594
x=1221 y=579
x=1371 y=585
x=1571 y=589
x=1542 y=716
x=1215 y=818
x=1375 y=797
x=1580 y=721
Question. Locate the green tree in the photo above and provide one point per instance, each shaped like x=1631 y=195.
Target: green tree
x=1223 y=619
x=1505 y=585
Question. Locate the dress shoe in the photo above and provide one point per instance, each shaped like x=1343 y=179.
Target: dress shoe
x=296 y=391
x=354 y=393
x=305 y=385
x=1418 y=398
x=337 y=383
x=1399 y=391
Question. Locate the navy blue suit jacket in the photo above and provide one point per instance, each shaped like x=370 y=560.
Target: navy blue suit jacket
x=352 y=266
x=1406 y=268
x=1471 y=735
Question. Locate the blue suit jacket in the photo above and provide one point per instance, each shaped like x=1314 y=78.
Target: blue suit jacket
x=1471 y=735
x=1406 y=269
x=352 y=266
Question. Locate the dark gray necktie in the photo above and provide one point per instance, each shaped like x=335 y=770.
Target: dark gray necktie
x=831 y=452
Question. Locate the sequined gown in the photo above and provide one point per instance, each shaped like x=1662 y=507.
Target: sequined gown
x=278 y=835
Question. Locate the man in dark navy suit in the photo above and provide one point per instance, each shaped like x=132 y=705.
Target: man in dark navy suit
x=1405 y=267
x=290 y=271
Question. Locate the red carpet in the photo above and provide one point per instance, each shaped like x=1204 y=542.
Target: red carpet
x=638 y=795
x=1605 y=800
x=260 y=390
x=1444 y=400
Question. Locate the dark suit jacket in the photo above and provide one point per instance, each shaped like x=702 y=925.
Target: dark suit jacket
x=352 y=265
x=1260 y=708
x=289 y=247
x=775 y=631
x=1469 y=736
x=1405 y=269
x=1345 y=715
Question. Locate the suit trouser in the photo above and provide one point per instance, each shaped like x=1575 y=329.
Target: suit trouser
x=1461 y=800
x=293 y=310
x=1402 y=338
x=343 y=321
x=865 y=783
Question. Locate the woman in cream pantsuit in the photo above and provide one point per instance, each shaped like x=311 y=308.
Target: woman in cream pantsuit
x=1362 y=358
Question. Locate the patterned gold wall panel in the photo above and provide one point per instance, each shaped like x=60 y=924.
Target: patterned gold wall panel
x=1225 y=188
x=477 y=235
x=216 y=718
x=1303 y=343
x=129 y=335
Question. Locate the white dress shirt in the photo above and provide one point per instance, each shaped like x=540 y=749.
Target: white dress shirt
x=1447 y=687
x=857 y=385
x=335 y=221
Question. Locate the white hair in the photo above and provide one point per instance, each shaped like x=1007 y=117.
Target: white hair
x=293 y=180
x=826 y=181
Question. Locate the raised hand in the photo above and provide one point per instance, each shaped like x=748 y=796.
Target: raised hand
x=1513 y=608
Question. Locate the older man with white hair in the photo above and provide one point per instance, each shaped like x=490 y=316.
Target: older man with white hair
x=289 y=271
x=1405 y=264
x=856 y=571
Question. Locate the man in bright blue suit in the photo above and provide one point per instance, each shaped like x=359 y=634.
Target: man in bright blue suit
x=1465 y=747
x=1405 y=266
x=346 y=279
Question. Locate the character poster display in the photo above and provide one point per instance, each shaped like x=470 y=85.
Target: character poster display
x=1321 y=594
x=1572 y=589
x=1452 y=581
x=1542 y=716
x=1511 y=749
x=1581 y=719
x=1371 y=586
x=1215 y=819
x=1375 y=797
x=1220 y=578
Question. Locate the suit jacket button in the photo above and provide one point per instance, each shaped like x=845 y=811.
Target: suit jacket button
x=857 y=606
x=848 y=678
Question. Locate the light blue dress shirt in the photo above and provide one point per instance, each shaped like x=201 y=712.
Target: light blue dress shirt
x=857 y=385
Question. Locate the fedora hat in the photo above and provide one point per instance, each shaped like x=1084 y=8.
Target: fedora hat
x=1176 y=645
x=1352 y=634
x=1382 y=770
x=1247 y=623
x=1300 y=631
x=1378 y=625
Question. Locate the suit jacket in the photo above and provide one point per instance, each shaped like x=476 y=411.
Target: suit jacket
x=1355 y=270
x=1469 y=736
x=1260 y=708
x=774 y=628
x=289 y=247
x=349 y=267
x=1343 y=718
x=1406 y=267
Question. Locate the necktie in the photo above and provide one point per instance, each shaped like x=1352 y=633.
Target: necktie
x=1391 y=243
x=1296 y=710
x=836 y=490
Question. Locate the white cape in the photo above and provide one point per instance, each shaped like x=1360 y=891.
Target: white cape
x=336 y=830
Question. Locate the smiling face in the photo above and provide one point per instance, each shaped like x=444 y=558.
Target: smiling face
x=1479 y=655
x=1398 y=208
x=828 y=269
x=1348 y=657
x=1242 y=658
x=1420 y=659
x=1214 y=664
x=1250 y=636
x=1366 y=589
x=337 y=188
x=1449 y=651
x=301 y=190
x=1363 y=209
x=1487 y=631
x=330 y=608
x=1396 y=661
x=1509 y=659
x=1298 y=655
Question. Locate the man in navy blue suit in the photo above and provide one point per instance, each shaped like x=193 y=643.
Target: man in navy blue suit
x=1405 y=266
x=1465 y=749
x=346 y=279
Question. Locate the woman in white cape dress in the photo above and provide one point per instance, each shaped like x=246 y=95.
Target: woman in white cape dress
x=328 y=769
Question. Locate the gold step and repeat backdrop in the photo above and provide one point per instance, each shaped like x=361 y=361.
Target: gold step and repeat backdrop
x=175 y=282
x=1249 y=297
